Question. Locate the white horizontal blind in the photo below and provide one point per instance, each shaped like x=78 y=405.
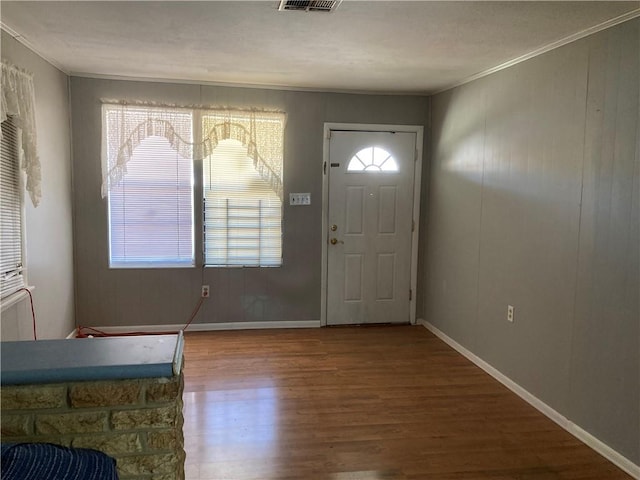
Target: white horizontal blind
x=242 y=214
x=11 y=274
x=151 y=208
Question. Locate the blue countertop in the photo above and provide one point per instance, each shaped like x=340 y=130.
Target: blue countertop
x=79 y=359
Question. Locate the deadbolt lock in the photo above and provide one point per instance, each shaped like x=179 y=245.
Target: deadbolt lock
x=334 y=228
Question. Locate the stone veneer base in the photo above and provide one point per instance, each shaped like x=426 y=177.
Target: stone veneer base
x=138 y=421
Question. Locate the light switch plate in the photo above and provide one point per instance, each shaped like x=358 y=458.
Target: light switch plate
x=299 y=199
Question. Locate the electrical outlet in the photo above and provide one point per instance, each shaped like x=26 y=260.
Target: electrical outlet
x=510 y=313
x=205 y=291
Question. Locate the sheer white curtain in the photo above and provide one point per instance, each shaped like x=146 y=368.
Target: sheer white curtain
x=260 y=132
x=126 y=125
x=18 y=101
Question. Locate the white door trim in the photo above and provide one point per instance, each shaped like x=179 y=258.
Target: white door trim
x=363 y=127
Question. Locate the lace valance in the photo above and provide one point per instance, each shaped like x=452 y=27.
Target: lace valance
x=18 y=101
x=126 y=126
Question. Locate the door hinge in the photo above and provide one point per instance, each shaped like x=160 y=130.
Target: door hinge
x=324 y=168
x=328 y=134
x=410 y=294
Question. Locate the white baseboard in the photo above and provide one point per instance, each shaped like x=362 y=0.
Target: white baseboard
x=603 y=449
x=207 y=327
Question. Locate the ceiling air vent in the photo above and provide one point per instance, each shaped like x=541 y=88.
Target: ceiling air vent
x=309 y=5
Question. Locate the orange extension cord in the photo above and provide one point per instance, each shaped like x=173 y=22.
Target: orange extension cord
x=33 y=312
x=87 y=332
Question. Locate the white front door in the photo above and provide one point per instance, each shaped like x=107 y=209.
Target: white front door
x=370 y=211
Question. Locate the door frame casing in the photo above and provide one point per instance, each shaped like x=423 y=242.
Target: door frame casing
x=363 y=127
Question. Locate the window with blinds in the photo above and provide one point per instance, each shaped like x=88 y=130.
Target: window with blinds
x=149 y=155
x=11 y=267
x=242 y=213
x=151 y=208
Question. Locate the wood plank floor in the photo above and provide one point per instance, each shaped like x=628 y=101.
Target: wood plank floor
x=362 y=403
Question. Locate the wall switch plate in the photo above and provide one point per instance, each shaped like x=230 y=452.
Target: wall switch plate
x=299 y=199
x=510 y=313
x=205 y=291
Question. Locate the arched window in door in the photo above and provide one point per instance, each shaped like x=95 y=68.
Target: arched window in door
x=372 y=159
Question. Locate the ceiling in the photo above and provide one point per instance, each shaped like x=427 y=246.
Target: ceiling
x=363 y=46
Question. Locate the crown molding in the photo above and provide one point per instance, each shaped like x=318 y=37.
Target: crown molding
x=547 y=48
x=23 y=40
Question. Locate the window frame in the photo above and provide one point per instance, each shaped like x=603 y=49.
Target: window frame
x=198 y=213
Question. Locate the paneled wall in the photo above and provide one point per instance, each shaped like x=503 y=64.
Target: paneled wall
x=118 y=297
x=49 y=252
x=534 y=202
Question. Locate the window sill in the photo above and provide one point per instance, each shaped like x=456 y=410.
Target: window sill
x=14 y=298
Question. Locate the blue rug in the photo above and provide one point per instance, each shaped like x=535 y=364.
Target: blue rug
x=45 y=461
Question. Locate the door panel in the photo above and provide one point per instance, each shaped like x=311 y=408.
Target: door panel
x=370 y=215
x=353 y=277
x=354 y=211
x=385 y=276
x=387 y=209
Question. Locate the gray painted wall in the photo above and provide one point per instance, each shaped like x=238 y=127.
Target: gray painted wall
x=49 y=226
x=534 y=202
x=112 y=297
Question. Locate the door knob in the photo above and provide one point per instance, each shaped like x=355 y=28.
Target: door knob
x=333 y=241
